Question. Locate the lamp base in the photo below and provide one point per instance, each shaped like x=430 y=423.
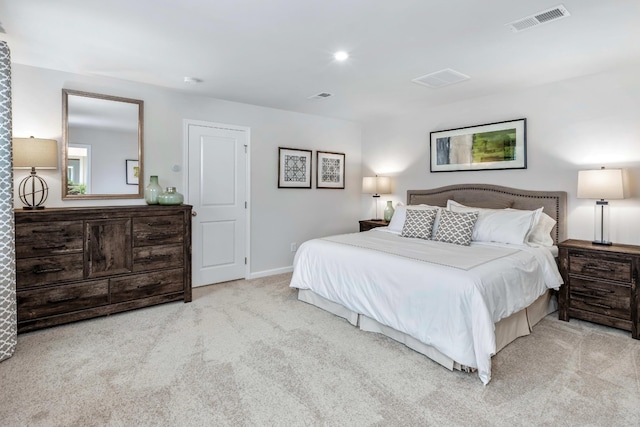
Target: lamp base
x=33 y=191
x=33 y=208
x=601 y=243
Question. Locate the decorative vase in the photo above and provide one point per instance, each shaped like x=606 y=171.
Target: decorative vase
x=388 y=211
x=170 y=197
x=152 y=191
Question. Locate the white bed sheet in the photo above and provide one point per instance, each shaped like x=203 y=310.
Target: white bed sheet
x=450 y=309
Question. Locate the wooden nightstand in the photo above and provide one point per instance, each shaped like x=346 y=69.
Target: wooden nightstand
x=600 y=284
x=368 y=224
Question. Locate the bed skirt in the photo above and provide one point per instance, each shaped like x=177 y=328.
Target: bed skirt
x=506 y=330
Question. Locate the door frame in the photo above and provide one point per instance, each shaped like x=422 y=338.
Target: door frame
x=185 y=177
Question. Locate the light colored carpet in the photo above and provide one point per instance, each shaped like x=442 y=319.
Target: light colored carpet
x=247 y=353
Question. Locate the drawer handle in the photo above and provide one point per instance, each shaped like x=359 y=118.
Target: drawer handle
x=51 y=301
x=148 y=285
x=37 y=270
x=158 y=224
x=155 y=258
x=160 y=236
x=39 y=248
x=606 y=291
x=59 y=230
x=598 y=268
x=595 y=304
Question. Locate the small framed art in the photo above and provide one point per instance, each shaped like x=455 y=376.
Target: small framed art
x=294 y=168
x=329 y=170
x=133 y=172
x=501 y=145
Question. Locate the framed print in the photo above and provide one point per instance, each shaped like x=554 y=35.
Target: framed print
x=329 y=170
x=294 y=168
x=133 y=171
x=500 y=145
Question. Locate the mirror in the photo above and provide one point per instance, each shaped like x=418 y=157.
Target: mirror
x=102 y=146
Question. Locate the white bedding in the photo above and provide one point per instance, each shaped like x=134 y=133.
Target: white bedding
x=452 y=309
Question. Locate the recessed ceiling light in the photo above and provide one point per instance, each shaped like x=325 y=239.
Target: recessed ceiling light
x=341 y=56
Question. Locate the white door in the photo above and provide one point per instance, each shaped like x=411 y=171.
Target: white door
x=217 y=190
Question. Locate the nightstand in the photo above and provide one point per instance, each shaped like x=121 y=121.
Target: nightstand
x=600 y=284
x=368 y=224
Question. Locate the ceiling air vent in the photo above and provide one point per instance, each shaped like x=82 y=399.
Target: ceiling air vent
x=539 y=18
x=320 y=95
x=441 y=78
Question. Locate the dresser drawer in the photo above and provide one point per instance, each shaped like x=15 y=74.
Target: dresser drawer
x=147 y=285
x=35 y=272
x=158 y=230
x=48 y=238
x=148 y=258
x=608 y=299
x=44 y=302
x=603 y=267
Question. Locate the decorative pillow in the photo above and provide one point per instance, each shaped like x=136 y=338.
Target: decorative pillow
x=456 y=227
x=419 y=223
x=500 y=225
x=540 y=234
x=398 y=218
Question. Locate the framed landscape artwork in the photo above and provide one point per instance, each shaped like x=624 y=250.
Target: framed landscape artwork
x=329 y=170
x=501 y=145
x=294 y=168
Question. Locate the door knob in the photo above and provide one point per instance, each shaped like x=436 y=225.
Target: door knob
x=194 y=213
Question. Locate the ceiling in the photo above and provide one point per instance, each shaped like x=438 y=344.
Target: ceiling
x=278 y=53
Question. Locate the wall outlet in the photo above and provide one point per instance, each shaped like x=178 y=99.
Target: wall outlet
x=294 y=247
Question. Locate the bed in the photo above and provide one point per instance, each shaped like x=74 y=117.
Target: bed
x=456 y=304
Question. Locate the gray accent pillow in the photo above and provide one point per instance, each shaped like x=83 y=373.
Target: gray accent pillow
x=419 y=223
x=456 y=227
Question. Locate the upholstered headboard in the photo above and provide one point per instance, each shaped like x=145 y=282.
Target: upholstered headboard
x=498 y=197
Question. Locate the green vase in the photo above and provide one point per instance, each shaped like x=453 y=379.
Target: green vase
x=152 y=191
x=170 y=197
x=388 y=211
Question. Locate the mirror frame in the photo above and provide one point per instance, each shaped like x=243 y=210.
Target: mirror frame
x=65 y=146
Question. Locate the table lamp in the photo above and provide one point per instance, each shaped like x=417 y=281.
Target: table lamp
x=32 y=153
x=601 y=184
x=376 y=185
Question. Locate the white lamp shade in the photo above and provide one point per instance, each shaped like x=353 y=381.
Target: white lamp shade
x=376 y=185
x=35 y=152
x=605 y=184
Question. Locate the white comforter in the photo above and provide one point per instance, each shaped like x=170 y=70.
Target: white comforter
x=452 y=308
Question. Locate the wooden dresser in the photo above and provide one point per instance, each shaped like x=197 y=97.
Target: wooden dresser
x=600 y=284
x=78 y=263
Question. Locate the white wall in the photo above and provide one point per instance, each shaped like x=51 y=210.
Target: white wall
x=279 y=216
x=582 y=123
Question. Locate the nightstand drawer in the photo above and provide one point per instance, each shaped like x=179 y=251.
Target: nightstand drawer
x=602 y=267
x=608 y=299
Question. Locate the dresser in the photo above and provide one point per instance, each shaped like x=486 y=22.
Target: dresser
x=600 y=284
x=79 y=263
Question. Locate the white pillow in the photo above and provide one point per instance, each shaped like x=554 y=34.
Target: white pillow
x=499 y=225
x=400 y=215
x=540 y=234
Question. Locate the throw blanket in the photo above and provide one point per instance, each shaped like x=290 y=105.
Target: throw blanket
x=448 y=254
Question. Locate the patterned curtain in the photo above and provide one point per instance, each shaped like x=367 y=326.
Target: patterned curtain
x=8 y=325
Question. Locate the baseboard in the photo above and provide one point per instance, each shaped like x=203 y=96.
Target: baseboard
x=266 y=273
